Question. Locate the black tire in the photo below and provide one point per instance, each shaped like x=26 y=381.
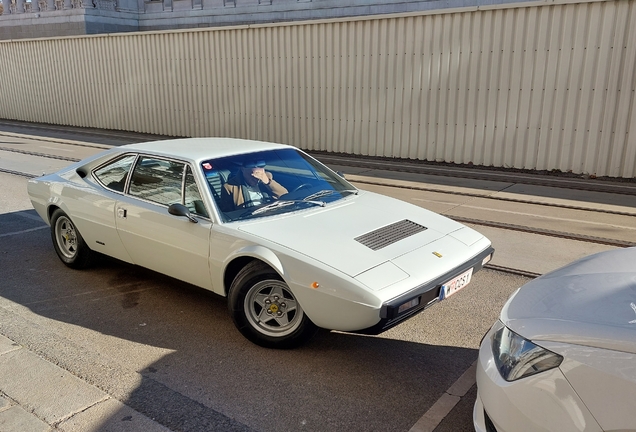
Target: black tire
x=258 y=292
x=68 y=242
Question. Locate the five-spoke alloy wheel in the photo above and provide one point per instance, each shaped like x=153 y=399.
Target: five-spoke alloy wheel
x=68 y=242
x=272 y=309
x=265 y=310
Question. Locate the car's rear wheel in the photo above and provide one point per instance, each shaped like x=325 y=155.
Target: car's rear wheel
x=68 y=242
x=266 y=311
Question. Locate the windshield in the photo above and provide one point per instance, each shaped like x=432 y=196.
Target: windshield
x=271 y=182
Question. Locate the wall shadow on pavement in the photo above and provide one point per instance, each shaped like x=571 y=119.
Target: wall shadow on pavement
x=170 y=351
x=76 y=133
x=529 y=187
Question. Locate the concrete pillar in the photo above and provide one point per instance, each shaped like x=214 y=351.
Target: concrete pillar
x=68 y=4
x=5 y=6
x=19 y=6
x=35 y=5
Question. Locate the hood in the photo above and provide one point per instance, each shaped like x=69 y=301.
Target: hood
x=591 y=302
x=328 y=234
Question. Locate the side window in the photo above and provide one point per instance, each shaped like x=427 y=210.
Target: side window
x=157 y=180
x=113 y=176
x=192 y=198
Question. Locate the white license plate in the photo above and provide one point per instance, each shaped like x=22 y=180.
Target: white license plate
x=455 y=284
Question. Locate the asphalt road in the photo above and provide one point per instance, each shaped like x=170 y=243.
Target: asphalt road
x=170 y=351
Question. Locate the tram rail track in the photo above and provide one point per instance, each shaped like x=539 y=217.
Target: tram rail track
x=545 y=232
x=17 y=173
x=44 y=155
x=513 y=271
x=507 y=199
x=492 y=224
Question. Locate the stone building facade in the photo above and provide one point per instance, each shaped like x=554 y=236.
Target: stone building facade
x=51 y=18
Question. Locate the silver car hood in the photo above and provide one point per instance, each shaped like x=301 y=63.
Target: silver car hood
x=328 y=234
x=591 y=302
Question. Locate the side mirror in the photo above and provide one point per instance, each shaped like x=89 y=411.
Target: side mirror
x=181 y=210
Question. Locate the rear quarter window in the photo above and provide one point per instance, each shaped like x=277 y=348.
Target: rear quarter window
x=114 y=174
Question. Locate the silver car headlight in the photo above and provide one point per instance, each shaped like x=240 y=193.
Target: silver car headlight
x=517 y=357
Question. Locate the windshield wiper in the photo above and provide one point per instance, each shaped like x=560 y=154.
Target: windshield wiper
x=327 y=192
x=278 y=204
x=351 y=191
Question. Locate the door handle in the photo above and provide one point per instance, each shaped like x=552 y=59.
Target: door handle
x=122 y=213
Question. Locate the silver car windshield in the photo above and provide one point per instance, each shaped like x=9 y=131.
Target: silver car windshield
x=271 y=182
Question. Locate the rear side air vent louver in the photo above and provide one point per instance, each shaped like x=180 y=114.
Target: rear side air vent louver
x=390 y=234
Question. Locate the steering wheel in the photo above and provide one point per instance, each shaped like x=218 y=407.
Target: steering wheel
x=249 y=204
x=301 y=186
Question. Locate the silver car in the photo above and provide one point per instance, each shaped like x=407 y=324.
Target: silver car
x=562 y=356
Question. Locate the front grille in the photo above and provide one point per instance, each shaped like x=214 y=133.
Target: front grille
x=390 y=234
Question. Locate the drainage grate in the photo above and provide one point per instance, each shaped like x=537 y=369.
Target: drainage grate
x=390 y=234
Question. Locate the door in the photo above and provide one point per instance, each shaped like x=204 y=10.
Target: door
x=93 y=209
x=155 y=239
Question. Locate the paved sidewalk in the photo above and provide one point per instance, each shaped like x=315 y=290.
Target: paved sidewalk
x=38 y=396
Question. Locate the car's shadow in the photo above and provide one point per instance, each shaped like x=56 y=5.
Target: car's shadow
x=193 y=369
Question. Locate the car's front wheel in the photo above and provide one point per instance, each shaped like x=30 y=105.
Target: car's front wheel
x=68 y=242
x=266 y=311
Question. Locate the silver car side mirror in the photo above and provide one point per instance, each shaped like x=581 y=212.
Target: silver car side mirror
x=181 y=210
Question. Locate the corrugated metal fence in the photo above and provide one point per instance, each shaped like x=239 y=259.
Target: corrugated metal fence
x=543 y=86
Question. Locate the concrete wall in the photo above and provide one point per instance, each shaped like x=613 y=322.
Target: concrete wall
x=545 y=86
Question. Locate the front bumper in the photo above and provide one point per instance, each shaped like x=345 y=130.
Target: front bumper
x=425 y=295
x=543 y=402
